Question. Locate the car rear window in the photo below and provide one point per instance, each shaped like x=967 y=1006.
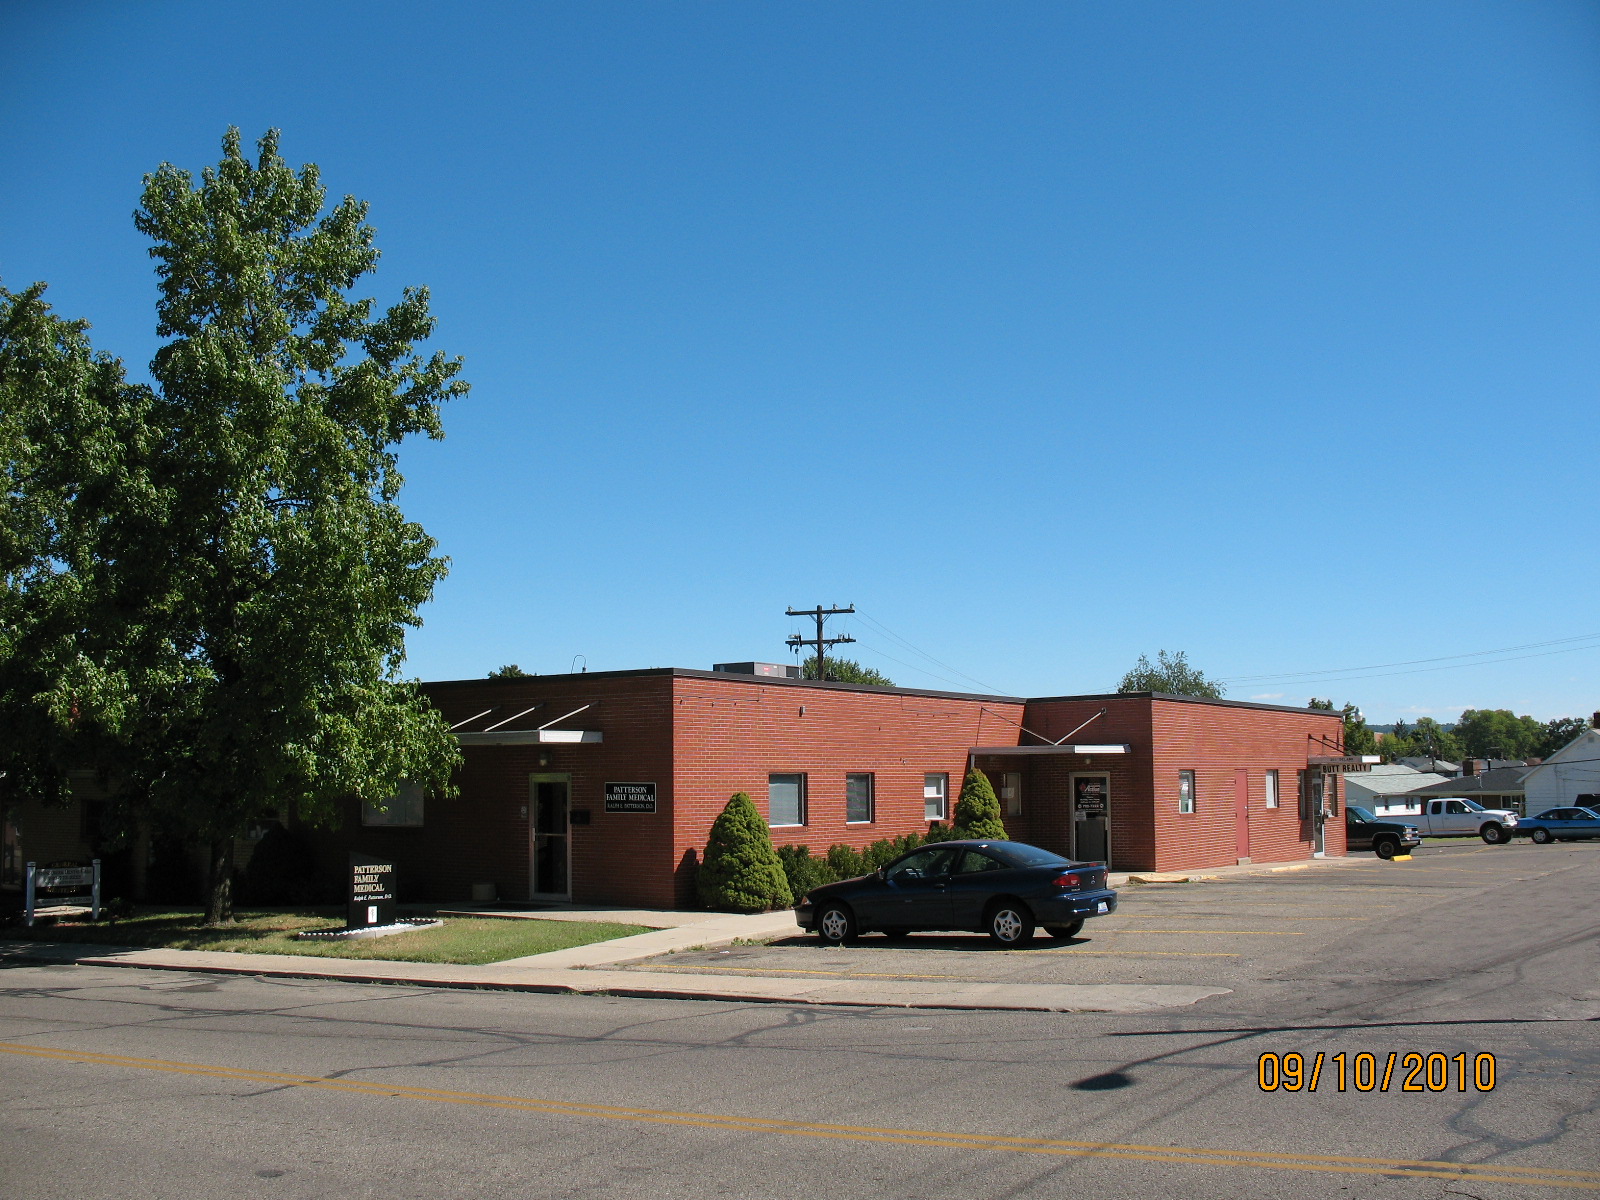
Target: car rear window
x=1019 y=855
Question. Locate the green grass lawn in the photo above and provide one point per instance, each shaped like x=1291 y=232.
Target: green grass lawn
x=460 y=940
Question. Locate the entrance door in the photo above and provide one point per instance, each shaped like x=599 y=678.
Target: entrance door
x=549 y=797
x=1241 y=813
x=1091 y=816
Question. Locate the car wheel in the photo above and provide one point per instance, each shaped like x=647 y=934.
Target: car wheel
x=1494 y=834
x=836 y=924
x=1386 y=848
x=896 y=935
x=1063 y=932
x=1543 y=836
x=1010 y=923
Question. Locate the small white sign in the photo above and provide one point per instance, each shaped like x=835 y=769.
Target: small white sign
x=372 y=914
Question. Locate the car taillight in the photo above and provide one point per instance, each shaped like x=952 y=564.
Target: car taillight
x=1069 y=880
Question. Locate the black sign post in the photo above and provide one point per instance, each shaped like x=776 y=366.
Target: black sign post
x=630 y=797
x=371 y=892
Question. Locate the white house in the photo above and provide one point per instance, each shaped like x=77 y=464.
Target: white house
x=1372 y=789
x=1569 y=776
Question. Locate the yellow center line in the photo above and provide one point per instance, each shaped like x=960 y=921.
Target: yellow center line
x=1252 y=932
x=1419 y=1169
x=1143 y=953
x=807 y=971
x=1219 y=916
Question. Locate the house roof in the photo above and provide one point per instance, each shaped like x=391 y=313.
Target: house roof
x=1393 y=783
x=1440 y=766
x=1502 y=781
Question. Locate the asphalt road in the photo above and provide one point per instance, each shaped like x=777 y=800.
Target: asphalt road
x=119 y=1082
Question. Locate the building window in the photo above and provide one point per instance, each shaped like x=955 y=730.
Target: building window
x=1186 y=791
x=402 y=809
x=786 y=799
x=935 y=796
x=1272 y=789
x=1011 y=792
x=858 y=798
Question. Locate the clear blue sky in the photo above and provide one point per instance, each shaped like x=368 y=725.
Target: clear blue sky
x=1047 y=334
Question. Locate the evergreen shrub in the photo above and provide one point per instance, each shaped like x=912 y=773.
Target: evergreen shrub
x=740 y=871
x=803 y=869
x=978 y=809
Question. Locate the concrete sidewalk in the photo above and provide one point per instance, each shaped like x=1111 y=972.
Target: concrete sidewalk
x=582 y=969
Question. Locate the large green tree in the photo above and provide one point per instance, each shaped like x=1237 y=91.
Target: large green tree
x=845 y=670
x=1557 y=733
x=1172 y=674
x=261 y=592
x=71 y=447
x=1498 y=733
x=1358 y=739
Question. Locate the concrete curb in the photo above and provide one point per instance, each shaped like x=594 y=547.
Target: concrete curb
x=854 y=993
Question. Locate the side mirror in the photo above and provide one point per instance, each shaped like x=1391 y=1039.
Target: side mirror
x=882 y=873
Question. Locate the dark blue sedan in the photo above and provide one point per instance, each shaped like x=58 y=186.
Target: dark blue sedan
x=1560 y=825
x=1004 y=889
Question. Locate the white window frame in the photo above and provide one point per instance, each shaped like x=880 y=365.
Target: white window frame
x=801 y=778
x=936 y=787
x=1274 y=798
x=404 y=810
x=872 y=798
x=1187 y=786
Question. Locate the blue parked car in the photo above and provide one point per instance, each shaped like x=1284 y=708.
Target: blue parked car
x=1004 y=889
x=1561 y=825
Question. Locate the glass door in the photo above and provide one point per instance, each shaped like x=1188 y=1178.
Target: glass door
x=1091 y=814
x=549 y=799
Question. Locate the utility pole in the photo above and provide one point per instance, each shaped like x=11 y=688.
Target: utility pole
x=821 y=643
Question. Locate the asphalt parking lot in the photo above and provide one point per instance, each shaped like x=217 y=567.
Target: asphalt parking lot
x=1259 y=929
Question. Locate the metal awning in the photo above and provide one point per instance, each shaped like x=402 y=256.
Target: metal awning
x=530 y=737
x=1079 y=748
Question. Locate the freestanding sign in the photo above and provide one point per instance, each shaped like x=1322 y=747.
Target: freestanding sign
x=630 y=797
x=371 y=892
x=61 y=877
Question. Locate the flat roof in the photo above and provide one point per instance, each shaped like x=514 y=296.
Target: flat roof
x=779 y=681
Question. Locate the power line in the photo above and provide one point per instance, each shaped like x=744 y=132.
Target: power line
x=923 y=653
x=1330 y=673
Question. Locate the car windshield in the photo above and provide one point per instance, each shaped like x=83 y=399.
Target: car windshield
x=1020 y=855
x=1360 y=814
x=1470 y=805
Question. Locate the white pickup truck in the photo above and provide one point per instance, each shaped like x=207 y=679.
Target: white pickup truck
x=1457 y=818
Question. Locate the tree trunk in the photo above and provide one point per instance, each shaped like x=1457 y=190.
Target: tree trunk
x=219 y=888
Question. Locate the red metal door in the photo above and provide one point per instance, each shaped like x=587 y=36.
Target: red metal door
x=1241 y=812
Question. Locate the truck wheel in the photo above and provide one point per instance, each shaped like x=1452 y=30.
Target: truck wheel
x=1543 y=836
x=1494 y=834
x=1386 y=847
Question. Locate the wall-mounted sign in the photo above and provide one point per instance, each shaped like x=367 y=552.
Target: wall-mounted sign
x=371 y=892
x=1089 y=796
x=630 y=797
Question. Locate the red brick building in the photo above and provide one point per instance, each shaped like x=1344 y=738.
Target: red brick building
x=602 y=787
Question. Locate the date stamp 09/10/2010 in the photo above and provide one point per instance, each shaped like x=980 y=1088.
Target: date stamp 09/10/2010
x=1411 y=1071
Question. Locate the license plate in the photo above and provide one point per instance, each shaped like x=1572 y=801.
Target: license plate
x=1103 y=907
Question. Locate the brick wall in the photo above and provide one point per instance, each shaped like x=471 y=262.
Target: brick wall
x=1215 y=741
x=731 y=733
